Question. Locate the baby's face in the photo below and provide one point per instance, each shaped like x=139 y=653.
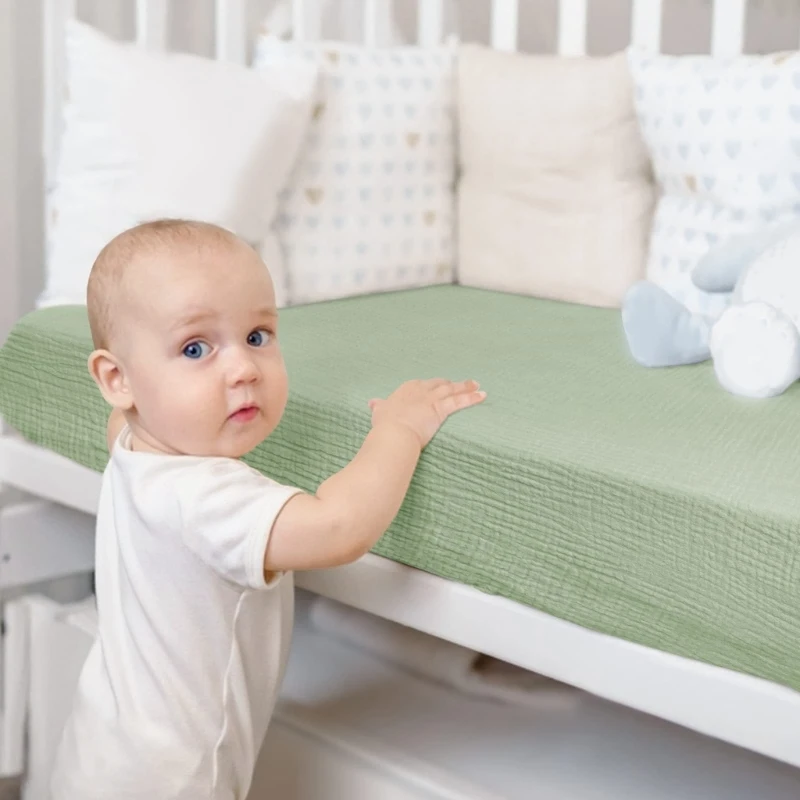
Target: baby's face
x=202 y=360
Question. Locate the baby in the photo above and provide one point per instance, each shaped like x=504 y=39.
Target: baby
x=195 y=549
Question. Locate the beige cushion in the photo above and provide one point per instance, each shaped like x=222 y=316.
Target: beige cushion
x=556 y=194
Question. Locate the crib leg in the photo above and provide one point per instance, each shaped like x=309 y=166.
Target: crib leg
x=16 y=671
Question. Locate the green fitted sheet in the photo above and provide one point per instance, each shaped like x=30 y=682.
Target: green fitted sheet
x=645 y=504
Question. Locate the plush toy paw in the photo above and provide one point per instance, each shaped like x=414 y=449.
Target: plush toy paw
x=756 y=350
x=660 y=331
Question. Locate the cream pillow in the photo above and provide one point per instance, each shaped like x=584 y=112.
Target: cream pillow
x=150 y=135
x=556 y=194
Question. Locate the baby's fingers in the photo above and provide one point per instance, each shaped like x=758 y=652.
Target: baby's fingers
x=458 y=401
x=457 y=387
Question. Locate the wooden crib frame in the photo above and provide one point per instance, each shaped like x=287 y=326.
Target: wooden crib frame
x=746 y=711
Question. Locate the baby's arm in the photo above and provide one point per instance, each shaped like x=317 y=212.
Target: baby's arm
x=116 y=422
x=353 y=508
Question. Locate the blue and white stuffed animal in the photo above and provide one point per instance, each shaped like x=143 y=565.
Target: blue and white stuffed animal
x=755 y=342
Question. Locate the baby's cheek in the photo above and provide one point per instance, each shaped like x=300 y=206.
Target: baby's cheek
x=183 y=401
x=278 y=381
x=277 y=396
x=199 y=397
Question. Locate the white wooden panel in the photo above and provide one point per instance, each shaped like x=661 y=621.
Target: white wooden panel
x=377 y=22
x=306 y=20
x=646 y=24
x=430 y=22
x=505 y=24
x=56 y=14
x=572 y=20
x=737 y=708
x=42 y=541
x=230 y=33
x=727 y=27
x=31 y=467
x=151 y=24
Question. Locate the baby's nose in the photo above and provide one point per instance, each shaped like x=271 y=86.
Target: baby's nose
x=243 y=369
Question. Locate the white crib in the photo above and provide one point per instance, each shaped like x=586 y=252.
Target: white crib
x=47 y=504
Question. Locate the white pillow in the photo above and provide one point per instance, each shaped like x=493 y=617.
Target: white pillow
x=724 y=138
x=370 y=206
x=150 y=135
x=556 y=194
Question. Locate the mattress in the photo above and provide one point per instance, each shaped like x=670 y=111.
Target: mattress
x=645 y=504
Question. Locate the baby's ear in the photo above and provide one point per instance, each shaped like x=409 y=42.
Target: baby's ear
x=110 y=379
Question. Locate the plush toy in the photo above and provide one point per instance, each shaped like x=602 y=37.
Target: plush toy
x=755 y=342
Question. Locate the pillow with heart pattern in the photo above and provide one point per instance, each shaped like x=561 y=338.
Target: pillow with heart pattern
x=724 y=138
x=370 y=205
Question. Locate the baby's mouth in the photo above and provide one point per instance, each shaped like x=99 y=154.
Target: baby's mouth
x=244 y=414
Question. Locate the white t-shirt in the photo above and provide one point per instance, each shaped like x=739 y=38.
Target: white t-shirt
x=176 y=694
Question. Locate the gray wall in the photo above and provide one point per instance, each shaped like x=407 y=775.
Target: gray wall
x=8 y=146
x=772 y=24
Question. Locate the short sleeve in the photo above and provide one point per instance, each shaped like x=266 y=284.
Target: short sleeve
x=227 y=512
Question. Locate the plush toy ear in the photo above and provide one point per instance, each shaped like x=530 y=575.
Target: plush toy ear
x=720 y=268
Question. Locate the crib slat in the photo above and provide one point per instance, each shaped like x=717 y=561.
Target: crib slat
x=727 y=27
x=377 y=22
x=430 y=22
x=306 y=20
x=646 y=24
x=151 y=24
x=56 y=14
x=572 y=22
x=505 y=24
x=230 y=30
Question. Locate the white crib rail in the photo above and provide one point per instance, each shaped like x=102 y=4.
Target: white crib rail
x=230 y=30
x=305 y=18
x=505 y=24
x=377 y=18
x=646 y=24
x=573 y=18
x=56 y=14
x=151 y=24
x=430 y=22
x=727 y=27
x=230 y=33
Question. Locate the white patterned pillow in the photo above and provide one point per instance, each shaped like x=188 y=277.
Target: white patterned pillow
x=370 y=205
x=724 y=138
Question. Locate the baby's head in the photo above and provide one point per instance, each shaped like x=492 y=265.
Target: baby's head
x=184 y=324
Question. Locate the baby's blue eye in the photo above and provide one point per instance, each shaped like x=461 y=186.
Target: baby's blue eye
x=258 y=338
x=195 y=350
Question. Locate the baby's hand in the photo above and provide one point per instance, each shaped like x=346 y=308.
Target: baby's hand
x=423 y=405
